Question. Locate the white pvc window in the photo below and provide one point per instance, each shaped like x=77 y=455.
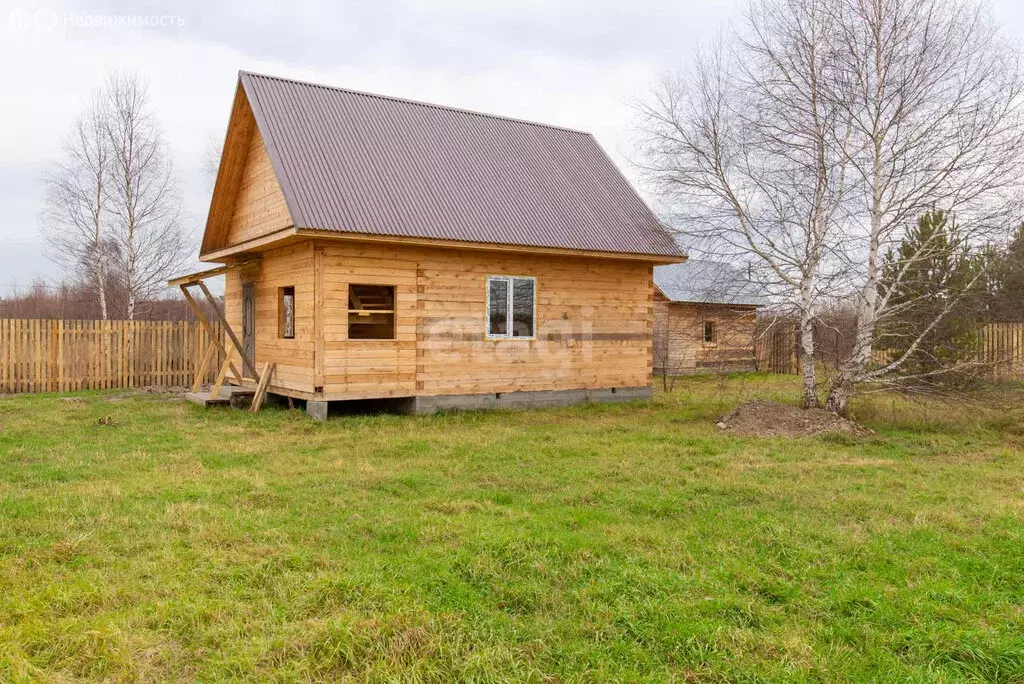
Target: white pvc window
x=511 y=307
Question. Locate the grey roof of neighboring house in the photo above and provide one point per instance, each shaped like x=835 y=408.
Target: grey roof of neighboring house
x=707 y=282
x=363 y=163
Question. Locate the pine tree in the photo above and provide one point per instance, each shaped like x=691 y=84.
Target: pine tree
x=1006 y=299
x=934 y=274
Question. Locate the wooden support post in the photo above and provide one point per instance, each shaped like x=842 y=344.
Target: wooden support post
x=201 y=371
x=246 y=364
x=261 y=388
x=215 y=390
x=209 y=328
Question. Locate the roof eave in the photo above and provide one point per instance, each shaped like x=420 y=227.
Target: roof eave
x=292 y=234
x=317 y=233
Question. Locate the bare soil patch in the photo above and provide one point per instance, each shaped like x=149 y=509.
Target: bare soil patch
x=772 y=419
x=154 y=392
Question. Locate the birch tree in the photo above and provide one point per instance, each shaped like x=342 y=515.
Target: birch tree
x=75 y=226
x=143 y=198
x=934 y=99
x=747 y=151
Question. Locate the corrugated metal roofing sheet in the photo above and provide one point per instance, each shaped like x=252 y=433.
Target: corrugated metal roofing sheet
x=356 y=162
x=707 y=282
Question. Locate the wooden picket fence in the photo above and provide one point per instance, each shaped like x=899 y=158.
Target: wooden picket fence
x=1002 y=346
x=775 y=350
x=1000 y=349
x=65 y=355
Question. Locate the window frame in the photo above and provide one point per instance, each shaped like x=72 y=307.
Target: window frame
x=713 y=342
x=393 y=312
x=282 y=294
x=508 y=307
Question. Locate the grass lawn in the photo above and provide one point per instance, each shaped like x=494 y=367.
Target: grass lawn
x=145 y=538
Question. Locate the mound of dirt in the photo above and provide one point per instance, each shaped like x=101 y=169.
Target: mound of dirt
x=770 y=419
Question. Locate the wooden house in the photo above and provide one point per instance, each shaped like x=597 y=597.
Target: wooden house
x=376 y=248
x=705 y=318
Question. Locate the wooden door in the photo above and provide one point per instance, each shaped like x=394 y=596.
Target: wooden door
x=249 y=322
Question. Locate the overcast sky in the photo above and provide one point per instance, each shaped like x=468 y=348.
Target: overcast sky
x=575 y=63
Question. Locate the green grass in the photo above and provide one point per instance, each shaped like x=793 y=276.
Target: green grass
x=598 y=542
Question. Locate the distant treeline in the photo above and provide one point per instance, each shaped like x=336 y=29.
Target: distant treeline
x=69 y=302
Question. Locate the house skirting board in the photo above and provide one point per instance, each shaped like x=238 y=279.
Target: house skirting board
x=538 y=399
x=496 y=400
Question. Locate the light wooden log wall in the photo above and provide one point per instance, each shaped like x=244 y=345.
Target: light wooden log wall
x=593 y=326
x=43 y=355
x=259 y=207
x=293 y=358
x=594 y=320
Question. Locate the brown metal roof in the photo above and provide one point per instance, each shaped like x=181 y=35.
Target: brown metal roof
x=356 y=162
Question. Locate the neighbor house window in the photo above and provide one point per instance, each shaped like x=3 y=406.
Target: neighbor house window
x=286 y=312
x=371 y=312
x=511 y=306
x=710 y=332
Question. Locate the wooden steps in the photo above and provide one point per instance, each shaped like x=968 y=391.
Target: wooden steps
x=223 y=398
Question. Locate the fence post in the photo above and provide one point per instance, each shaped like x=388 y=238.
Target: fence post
x=5 y=344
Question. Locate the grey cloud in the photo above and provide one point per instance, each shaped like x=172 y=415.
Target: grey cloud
x=570 y=62
x=464 y=36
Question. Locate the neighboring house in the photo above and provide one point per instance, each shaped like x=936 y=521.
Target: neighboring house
x=384 y=248
x=705 y=318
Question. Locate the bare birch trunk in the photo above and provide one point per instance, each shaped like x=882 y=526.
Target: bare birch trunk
x=100 y=257
x=101 y=281
x=808 y=369
x=852 y=368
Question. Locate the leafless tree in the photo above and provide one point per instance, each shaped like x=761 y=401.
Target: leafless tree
x=811 y=142
x=934 y=98
x=748 y=153
x=74 y=224
x=77 y=301
x=211 y=158
x=670 y=366
x=143 y=199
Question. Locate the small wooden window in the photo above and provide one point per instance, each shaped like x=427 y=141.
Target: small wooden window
x=710 y=332
x=286 y=312
x=371 y=312
x=511 y=307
